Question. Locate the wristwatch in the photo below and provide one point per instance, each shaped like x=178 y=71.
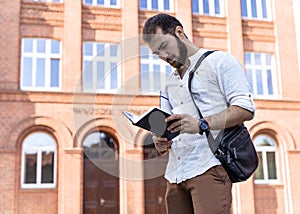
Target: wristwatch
x=203 y=126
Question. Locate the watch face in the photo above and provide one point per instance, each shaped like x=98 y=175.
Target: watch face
x=203 y=126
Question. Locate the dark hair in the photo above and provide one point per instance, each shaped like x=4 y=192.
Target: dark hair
x=166 y=22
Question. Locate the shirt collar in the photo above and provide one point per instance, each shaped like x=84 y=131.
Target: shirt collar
x=194 y=58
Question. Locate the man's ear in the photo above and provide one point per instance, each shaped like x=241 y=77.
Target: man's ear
x=179 y=32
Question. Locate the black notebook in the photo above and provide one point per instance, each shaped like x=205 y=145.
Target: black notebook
x=154 y=121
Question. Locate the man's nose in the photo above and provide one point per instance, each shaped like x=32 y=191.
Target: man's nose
x=163 y=55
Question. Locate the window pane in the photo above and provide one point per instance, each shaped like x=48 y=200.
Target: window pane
x=27 y=72
x=143 y=4
x=30 y=168
x=41 y=46
x=54 y=72
x=88 y=75
x=195 y=6
x=259 y=174
x=271 y=165
x=259 y=82
x=107 y=146
x=100 y=145
x=40 y=72
x=249 y=78
x=154 y=4
x=55 y=47
x=205 y=6
x=156 y=75
x=166 y=5
x=155 y=57
x=144 y=52
x=144 y=77
x=100 y=75
x=100 y=2
x=253 y=8
x=257 y=59
x=217 y=7
x=247 y=58
x=168 y=70
x=244 y=8
x=113 y=2
x=100 y=49
x=88 y=49
x=270 y=84
x=27 y=44
x=113 y=76
x=113 y=50
x=88 y=1
x=47 y=167
x=39 y=139
x=268 y=59
x=264 y=9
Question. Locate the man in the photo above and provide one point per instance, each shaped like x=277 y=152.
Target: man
x=197 y=183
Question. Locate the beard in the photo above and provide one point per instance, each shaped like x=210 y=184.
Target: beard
x=181 y=59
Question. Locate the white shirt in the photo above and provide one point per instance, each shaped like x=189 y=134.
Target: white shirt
x=218 y=82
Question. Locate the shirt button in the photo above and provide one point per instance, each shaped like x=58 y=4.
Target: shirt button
x=181 y=86
x=178 y=158
x=181 y=103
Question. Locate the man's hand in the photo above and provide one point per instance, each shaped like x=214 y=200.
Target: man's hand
x=185 y=124
x=162 y=145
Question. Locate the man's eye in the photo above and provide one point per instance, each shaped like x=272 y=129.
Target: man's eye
x=163 y=46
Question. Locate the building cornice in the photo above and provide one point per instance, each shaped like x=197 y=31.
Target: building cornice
x=256 y=30
x=209 y=27
x=42 y=13
x=109 y=99
x=77 y=98
x=278 y=104
x=101 y=18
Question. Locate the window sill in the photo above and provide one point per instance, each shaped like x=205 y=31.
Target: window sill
x=268 y=183
x=38 y=189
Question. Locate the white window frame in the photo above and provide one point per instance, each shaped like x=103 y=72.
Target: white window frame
x=106 y=3
x=39 y=149
x=264 y=150
x=34 y=55
x=153 y=60
x=107 y=59
x=258 y=9
x=212 y=11
x=160 y=6
x=263 y=67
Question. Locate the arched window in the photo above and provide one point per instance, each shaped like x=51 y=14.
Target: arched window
x=38 y=161
x=266 y=149
x=100 y=145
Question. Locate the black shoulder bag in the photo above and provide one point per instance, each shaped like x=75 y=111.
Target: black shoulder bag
x=233 y=146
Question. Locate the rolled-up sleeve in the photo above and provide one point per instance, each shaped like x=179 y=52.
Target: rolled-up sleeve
x=233 y=83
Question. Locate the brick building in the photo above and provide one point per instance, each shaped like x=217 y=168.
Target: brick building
x=69 y=67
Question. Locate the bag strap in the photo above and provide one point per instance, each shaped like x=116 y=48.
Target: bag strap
x=213 y=144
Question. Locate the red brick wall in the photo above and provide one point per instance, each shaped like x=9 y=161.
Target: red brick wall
x=9 y=44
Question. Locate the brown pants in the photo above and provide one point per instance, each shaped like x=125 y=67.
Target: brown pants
x=209 y=193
